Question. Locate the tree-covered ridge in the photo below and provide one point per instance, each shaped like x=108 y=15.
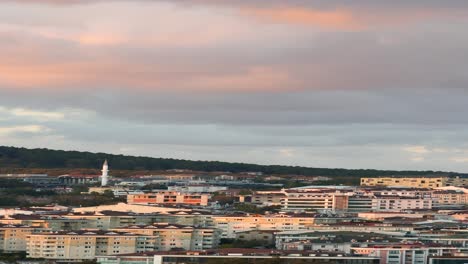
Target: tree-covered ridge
x=13 y=157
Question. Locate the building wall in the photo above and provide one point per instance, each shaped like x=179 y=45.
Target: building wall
x=84 y=246
x=421 y=182
x=169 y=198
x=231 y=225
x=174 y=237
x=13 y=238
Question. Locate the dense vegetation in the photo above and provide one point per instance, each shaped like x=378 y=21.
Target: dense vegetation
x=17 y=193
x=12 y=157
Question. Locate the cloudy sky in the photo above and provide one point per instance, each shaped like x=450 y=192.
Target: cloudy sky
x=354 y=84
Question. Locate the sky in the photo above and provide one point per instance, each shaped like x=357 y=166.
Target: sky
x=348 y=84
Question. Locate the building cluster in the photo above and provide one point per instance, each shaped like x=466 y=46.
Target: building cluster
x=360 y=199
x=384 y=220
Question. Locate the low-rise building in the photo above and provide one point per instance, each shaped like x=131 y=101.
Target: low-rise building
x=169 y=198
x=200 y=188
x=268 y=197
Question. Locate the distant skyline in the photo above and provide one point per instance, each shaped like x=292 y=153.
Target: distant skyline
x=349 y=84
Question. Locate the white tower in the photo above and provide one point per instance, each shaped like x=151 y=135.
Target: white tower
x=105 y=174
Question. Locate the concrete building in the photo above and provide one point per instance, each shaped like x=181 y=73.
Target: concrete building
x=49 y=222
x=197 y=188
x=13 y=238
x=398 y=203
x=231 y=225
x=268 y=197
x=409 y=253
x=449 y=196
x=169 y=198
x=327 y=200
x=77 y=179
x=123 y=207
x=172 y=236
x=42 y=180
x=409 y=182
x=241 y=255
x=79 y=245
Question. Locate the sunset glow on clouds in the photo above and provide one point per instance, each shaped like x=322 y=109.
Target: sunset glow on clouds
x=319 y=83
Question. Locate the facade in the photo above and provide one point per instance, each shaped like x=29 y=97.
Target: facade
x=172 y=236
x=76 y=179
x=13 y=237
x=247 y=256
x=42 y=180
x=169 y=198
x=406 y=253
x=197 y=188
x=299 y=200
x=451 y=197
x=232 y=225
x=268 y=197
x=79 y=245
x=52 y=223
x=410 y=182
x=397 y=203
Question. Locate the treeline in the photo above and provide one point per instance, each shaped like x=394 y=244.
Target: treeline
x=13 y=157
x=16 y=193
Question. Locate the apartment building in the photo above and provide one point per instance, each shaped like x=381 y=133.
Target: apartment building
x=231 y=225
x=171 y=236
x=268 y=197
x=299 y=200
x=398 y=203
x=50 y=222
x=13 y=237
x=238 y=255
x=200 y=188
x=449 y=197
x=410 y=253
x=413 y=182
x=457 y=181
x=169 y=198
x=79 y=245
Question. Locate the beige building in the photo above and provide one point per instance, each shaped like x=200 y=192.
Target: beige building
x=50 y=222
x=231 y=225
x=410 y=182
x=13 y=237
x=298 y=200
x=169 y=198
x=78 y=245
x=171 y=236
x=268 y=197
x=450 y=197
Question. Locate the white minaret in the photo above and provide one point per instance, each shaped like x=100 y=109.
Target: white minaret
x=105 y=174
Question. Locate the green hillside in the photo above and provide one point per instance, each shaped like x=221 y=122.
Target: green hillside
x=13 y=157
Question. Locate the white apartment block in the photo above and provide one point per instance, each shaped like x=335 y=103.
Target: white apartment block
x=296 y=200
x=171 y=236
x=231 y=225
x=78 y=245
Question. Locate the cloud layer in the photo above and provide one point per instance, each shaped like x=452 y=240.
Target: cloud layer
x=372 y=84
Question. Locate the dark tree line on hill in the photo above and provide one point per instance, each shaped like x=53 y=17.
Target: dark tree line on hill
x=12 y=157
